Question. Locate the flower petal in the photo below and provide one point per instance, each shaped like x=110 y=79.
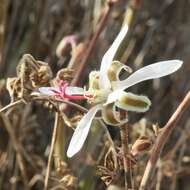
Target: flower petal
x=71 y=90
x=148 y=72
x=108 y=57
x=133 y=102
x=115 y=69
x=49 y=91
x=81 y=131
x=114 y=96
x=111 y=116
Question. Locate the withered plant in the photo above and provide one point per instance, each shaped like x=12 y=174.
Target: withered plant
x=106 y=135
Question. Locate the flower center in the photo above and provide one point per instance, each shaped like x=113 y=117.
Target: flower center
x=96 y=96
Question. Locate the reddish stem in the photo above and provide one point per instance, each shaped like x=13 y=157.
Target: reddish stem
x=102 y=24
x=161 y=141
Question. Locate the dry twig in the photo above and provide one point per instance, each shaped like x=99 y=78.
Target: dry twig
x=161 y=141
x=12 y=104
x=50 y=158
x=92 y=43
x=124 y=133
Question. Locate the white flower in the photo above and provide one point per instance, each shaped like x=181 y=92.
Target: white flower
x=108 y=93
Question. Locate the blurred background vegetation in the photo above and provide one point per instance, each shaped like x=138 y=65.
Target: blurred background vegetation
x=160 y=31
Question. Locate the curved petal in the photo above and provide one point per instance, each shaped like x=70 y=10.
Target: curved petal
x=108 y=58
x=49 y=91
x=115 y=69
x=148 y=72
x=111 y=116
x=133 y=102
x=81 y=131
x=70 y=90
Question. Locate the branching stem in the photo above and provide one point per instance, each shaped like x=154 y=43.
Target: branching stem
x=161 y=141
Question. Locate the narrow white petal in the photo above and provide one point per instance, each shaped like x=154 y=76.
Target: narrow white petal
x=108 y=57
x=148 y=72
x=70 y=90
x=47 y=90
x=81 y=131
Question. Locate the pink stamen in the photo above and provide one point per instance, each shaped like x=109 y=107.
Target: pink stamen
x=75 y=97
x=61 y=93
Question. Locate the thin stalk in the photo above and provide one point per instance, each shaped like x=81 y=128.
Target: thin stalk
x=92 y=43
x=111 y=142
x=12 y=104
x=18 y=102
x=45 y=98
x=124 y=133
x=50 y=158
x=161 y=141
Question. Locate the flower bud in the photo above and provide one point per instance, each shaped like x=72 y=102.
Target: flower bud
x=64 y=75
x=64 y=43
x=141 y=145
